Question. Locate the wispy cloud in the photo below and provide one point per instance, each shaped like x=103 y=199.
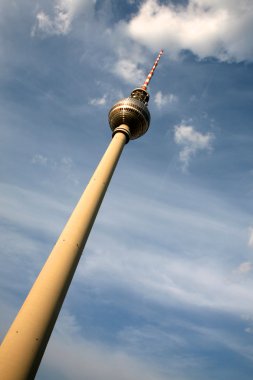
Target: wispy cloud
x=18 y=205
x=63 y=165
x=62 y=15
x=169 y=281
x=39 y=159
x=242 y=273
x=251 y=238
x=98 y=101
x=191 y=141
x=92 y=360
x=245 y=267
x=163 y=268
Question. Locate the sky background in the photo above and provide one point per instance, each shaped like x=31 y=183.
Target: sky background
x=164 y=287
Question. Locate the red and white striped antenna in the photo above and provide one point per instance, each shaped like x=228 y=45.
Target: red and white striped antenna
x=145 y=84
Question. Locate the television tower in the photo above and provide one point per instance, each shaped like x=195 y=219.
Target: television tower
x=25 y=342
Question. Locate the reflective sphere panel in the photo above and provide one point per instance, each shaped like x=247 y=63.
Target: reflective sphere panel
x=132 y=112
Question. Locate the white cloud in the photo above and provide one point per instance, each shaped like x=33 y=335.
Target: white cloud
x=129 y=71
x=251 y=238
x=222 y=29
x=249 y=330
x=162 y=100
x=63 y=14
x=245 y=267
x=240 y=274
x=191 y=141
x=40 y=159
x=98 y=101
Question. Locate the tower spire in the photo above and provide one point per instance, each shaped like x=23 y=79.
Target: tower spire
x=151 y=73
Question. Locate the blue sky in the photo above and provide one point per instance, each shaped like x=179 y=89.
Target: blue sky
x=164 y=287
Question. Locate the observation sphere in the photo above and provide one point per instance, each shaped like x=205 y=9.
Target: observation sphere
x=133 y=112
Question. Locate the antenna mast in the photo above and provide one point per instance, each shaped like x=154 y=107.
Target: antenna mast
x=151 y=73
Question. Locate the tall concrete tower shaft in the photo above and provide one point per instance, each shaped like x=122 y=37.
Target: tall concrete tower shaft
x=25 y=342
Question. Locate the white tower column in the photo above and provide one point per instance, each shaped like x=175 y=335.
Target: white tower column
x=25 y=343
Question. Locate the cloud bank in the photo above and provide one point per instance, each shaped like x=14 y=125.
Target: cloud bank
x=209 y=28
